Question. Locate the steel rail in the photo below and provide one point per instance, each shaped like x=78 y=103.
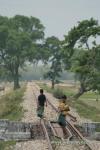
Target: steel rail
x=45 y=130
x=46 y=135
x=79 y=134
x=73 y=128
x=54 y=132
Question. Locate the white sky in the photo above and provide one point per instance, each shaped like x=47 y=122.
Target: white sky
x=58 y=16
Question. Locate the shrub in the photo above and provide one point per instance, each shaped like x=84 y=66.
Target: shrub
x=58 y=93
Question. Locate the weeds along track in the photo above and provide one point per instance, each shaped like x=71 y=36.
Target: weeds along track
x=74 y=138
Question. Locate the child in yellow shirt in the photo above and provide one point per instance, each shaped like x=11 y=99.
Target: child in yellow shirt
x=63 y=111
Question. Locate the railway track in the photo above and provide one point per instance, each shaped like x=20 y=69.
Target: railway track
x=50 y=131
x=73 y=133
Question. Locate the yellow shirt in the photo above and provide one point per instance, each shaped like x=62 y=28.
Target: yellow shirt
x=63 y=108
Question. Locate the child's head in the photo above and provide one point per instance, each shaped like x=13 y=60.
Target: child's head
x=41 y=91
x=64 y=97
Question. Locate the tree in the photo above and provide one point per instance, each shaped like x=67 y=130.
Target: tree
x=81 y=47
x=53 y=46
x=18 y=37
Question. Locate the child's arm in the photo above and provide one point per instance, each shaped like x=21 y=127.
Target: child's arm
x=46 y=102
x=37 y=103
x=59 y=108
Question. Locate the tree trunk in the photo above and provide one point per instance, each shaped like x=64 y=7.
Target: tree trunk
x=53 y=84
x=78 y=95
x=80 y=92
x=16 y=79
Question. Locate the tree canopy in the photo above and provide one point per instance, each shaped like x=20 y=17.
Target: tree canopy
x=83 y=51
x=19 y=37
x=22 y=40
x=53 y=45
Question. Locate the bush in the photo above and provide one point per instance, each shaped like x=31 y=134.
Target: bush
x=58 y=93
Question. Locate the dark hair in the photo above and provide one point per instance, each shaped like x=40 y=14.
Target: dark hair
x=64 y=97
x=41 y=90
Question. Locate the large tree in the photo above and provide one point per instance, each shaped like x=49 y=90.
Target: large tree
x=53 y=46
x=82 y=53
x=19 y=38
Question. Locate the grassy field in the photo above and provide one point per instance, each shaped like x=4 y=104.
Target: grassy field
x=7 y=145
x=10 y=105
x=11 y=109
x=86 y=105
x=86 y=111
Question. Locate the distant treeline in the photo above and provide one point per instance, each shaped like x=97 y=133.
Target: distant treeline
x=37 y=73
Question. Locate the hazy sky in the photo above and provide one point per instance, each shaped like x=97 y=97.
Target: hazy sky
x=58 y=16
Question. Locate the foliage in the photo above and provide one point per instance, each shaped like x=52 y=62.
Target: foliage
x=84 y=54
x=58 y=93
x=19 y=38
x=54 y=47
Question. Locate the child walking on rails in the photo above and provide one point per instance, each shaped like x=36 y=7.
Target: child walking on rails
x=63 y=111
x=42 y=101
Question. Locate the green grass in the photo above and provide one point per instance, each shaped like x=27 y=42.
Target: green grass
x=46 y=87
x=69 y=91
x=90 y=95
x=86 y=111
x=97 y=129
x=11 y=109
x=7 y=145
x=91 y=102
